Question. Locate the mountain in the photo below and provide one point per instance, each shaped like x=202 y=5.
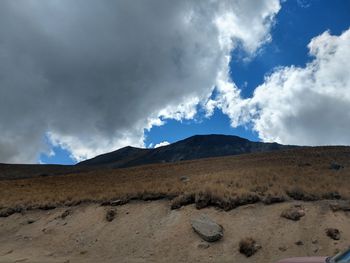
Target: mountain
x=195 y=147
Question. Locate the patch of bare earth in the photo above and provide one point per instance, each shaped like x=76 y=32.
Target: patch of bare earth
x=152 y=232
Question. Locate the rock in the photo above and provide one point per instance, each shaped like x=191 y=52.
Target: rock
x=66 y=213
x=336 y=166
x=282 y=248
x=203 y=245
x=314 y=241
x=207 y=229
x=115 y=202
x=8 y=252
x=30 y=221
x=110 y=215
x=333 y=233
x=184 y=179
x=248 y=247
x=47 y=207
x=293 y=213
x=299 y=243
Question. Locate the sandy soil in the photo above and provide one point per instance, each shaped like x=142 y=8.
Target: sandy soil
x=151 y=232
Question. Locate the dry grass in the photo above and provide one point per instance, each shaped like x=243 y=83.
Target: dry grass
x=225 y=182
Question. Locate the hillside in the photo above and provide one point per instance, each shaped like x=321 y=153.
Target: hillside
x=306 y=171
x=195 y=147
x=64 y=218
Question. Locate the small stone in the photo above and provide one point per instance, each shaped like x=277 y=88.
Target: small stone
x=110 y=215
x=184 y=179
x=314 y=241
x=315 y=250
x=30 y=221
x=336 y=166
x=299 y=243
x=66 y=213
x=116 y=202
x=282 y=248
x=333 y=233
x=8 y=252
x=203 y=245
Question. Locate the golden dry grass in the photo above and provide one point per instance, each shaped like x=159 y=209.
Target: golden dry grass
x=304 y=170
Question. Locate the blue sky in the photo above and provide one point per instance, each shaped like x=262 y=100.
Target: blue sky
x=296 y=24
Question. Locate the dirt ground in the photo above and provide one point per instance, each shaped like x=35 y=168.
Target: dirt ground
x=151 y=232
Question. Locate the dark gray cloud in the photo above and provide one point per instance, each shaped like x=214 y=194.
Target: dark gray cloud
x=92 y=75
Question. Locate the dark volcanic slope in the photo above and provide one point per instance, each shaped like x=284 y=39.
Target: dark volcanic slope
x=195 y=147
x=117 y=158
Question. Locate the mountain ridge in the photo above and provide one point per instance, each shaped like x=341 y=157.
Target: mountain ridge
x=191 y=148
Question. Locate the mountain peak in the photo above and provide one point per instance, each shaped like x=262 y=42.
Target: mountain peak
x=194 y=147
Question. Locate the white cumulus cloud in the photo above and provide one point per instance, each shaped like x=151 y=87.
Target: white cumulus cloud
x=301 y=105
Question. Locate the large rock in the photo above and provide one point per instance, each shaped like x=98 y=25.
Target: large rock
x=207 y=228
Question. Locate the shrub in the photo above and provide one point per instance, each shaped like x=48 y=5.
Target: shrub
x=181 y=200
x=298 y=194
x=272 y=199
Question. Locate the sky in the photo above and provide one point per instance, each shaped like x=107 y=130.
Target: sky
x=80 y=78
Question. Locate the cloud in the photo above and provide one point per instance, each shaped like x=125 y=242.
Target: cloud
x=93 y=75
x=302 y=105
x=164 y=143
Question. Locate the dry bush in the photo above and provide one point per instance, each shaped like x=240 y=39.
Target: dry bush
x=273 y=198
x=182 y=200
x=297 y=193
x=225 y=182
